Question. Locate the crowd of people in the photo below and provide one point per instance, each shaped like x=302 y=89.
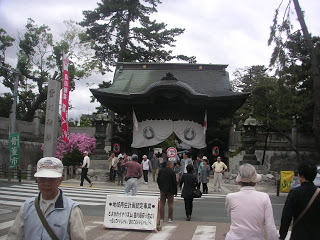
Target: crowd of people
x=52 y=215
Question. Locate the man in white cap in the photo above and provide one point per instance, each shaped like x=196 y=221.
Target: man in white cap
x=50 y=215
x=250 y=211
x=85 y=166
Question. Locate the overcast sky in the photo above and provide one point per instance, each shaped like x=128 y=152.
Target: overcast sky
x=233 y=32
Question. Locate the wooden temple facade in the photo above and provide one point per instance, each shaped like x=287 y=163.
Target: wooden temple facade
x=175 y=91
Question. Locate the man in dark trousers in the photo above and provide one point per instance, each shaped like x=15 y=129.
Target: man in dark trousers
x=307 y=227
x=167 y=183
x=85 y=166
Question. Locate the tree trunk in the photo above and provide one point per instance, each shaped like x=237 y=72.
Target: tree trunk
x=123 y=45
x=35 y=105
x=315 y=74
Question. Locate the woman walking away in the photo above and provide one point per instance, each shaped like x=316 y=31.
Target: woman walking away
x=189 y=182
x=250 y=211
x=204 y=175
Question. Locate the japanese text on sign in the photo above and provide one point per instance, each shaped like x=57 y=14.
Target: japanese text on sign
x=128 y=212
x=14 y=149
x=65 y=100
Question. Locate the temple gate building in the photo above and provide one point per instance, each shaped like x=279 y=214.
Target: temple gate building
x=171 y=97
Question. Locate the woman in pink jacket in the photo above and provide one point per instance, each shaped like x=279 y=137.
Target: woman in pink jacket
x=250 y=211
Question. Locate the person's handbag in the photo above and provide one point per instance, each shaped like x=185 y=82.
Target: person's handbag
x=44 y=221
x=196 y=193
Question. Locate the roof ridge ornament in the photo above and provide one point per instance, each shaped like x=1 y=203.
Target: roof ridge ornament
x=169 y=76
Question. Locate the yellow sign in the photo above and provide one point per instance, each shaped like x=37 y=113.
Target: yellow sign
x=286 y=180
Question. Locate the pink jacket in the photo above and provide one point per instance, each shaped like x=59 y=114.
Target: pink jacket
x=250 y=212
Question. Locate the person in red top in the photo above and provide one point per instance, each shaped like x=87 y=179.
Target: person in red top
x=134 y=172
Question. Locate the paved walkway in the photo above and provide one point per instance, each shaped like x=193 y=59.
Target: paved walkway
x=152 y=186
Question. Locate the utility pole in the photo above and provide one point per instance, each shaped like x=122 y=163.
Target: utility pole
x=13 y=113
x=14 y=106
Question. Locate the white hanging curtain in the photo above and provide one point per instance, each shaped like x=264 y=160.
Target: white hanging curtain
x=153 y=132
x=190 y=133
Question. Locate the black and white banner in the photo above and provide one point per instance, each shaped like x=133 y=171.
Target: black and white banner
x=153 y=132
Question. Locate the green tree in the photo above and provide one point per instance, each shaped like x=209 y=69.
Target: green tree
x=40 y=61
x=5 y=42
x=85 y=122
x=169 y=142
x=73 y=123
x=279 y=55
x=256 y=80
x=123 y=32
x=72 y=158
x=5 y=103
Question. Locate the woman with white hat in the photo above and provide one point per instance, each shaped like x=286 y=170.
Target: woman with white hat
x=250 y=211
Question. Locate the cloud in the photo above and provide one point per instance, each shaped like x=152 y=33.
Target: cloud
x=233 y=32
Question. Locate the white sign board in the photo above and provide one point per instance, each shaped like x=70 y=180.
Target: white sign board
x=131 y=212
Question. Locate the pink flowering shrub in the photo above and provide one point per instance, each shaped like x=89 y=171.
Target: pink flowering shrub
x=77 y=141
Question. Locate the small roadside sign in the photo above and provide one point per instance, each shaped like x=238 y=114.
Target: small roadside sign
x=172 y=152
x=116 y=147
x=215 y=151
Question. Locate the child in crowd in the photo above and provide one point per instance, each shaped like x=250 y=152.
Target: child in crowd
x=177 y=171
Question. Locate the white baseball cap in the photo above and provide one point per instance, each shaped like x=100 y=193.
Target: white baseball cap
x=85 y=152
x=49 y=167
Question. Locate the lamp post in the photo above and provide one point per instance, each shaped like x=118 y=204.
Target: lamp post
x=100 y=121
x=250 y=139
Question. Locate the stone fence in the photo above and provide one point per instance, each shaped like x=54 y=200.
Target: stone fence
x=276 y=150
x=31 y=139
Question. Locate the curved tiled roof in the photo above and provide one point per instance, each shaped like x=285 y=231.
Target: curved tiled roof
x=203 y=80
x=169 y=84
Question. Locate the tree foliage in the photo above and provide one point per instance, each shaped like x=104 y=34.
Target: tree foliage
x=169 y=142
x=123 y=32
x=280 y=34
x=5 y=42
x=257 y=81
x=72 y=158
x=84 y=122
x=40 y=61
x=5 y=103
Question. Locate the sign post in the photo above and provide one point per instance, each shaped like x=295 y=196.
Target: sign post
x=172 y=153
x=131 y=212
